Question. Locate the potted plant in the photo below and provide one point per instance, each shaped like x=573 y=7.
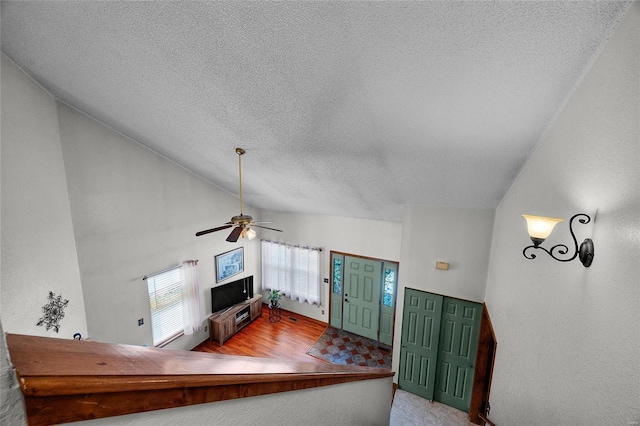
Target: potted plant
x=274 y=298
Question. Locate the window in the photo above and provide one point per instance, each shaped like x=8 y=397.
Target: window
x=174 y=302
x=337 y=275
x=165 y=301
x=389 y=284
x=293 y=270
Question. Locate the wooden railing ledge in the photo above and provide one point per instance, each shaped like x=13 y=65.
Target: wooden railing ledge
x=68 y=380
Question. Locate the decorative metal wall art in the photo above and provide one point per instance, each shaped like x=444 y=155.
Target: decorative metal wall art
x=53 y=312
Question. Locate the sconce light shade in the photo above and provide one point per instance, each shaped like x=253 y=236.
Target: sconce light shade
x=540 y=227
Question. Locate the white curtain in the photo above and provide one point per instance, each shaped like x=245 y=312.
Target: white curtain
x=293 y=270
x=192 y=315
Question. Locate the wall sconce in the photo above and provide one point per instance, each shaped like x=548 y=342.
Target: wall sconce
x=540 y=228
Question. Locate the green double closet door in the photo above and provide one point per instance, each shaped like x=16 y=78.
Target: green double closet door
x=439 y=345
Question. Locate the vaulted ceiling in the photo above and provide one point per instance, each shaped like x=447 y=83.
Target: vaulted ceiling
x=344 y=108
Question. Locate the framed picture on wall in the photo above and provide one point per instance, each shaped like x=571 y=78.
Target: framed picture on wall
x=229 y=264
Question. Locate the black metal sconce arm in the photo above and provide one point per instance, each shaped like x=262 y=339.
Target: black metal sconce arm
x=585 y=251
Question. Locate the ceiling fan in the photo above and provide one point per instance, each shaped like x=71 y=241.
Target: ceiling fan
x=242 y=223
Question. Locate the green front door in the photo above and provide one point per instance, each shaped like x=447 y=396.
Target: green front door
x=361 y=296
x=420 y=338
x=459 y=331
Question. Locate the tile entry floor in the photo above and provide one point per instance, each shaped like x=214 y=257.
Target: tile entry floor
x=411 y=410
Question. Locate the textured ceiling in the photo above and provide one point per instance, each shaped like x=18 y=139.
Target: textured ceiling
x=345 y=108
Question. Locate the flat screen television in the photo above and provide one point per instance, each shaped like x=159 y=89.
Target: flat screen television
x=227 y=295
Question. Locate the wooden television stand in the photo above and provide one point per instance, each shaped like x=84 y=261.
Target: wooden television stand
x=223 y=325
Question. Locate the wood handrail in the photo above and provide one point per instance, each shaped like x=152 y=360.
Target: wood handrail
x=68 y=380
x=486 y=420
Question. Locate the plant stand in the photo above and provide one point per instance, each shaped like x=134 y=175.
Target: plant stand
x=274 y=313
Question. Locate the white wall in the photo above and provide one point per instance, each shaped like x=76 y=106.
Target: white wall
x=136 y=213
x=327 y=405
x=86 y=213
x=568 y=336
x=372 y=238
x=38 y=249
x=461 y=237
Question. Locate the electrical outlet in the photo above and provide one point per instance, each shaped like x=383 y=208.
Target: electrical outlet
x=206 y=328
x=323 y=312
x=326 y=280
x=140 y=322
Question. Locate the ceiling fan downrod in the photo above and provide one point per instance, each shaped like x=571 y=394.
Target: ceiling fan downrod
x=240 y=153
x=241 y=220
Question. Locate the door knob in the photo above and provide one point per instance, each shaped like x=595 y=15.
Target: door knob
x=346 y=301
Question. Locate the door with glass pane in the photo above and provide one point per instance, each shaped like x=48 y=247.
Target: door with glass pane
x=363 y=296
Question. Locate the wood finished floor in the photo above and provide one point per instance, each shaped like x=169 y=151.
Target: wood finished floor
x=286 y=339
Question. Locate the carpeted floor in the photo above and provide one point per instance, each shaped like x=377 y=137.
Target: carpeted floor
x=411 y=410
x=340 y=347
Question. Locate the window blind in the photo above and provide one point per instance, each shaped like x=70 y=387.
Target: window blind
x=165 y=302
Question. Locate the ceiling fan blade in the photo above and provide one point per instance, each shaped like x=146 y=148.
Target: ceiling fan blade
x=264 y=227
x=208 y=231
x=235 y=234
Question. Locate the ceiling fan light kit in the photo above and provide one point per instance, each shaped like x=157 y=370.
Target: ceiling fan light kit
x=242 y=224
